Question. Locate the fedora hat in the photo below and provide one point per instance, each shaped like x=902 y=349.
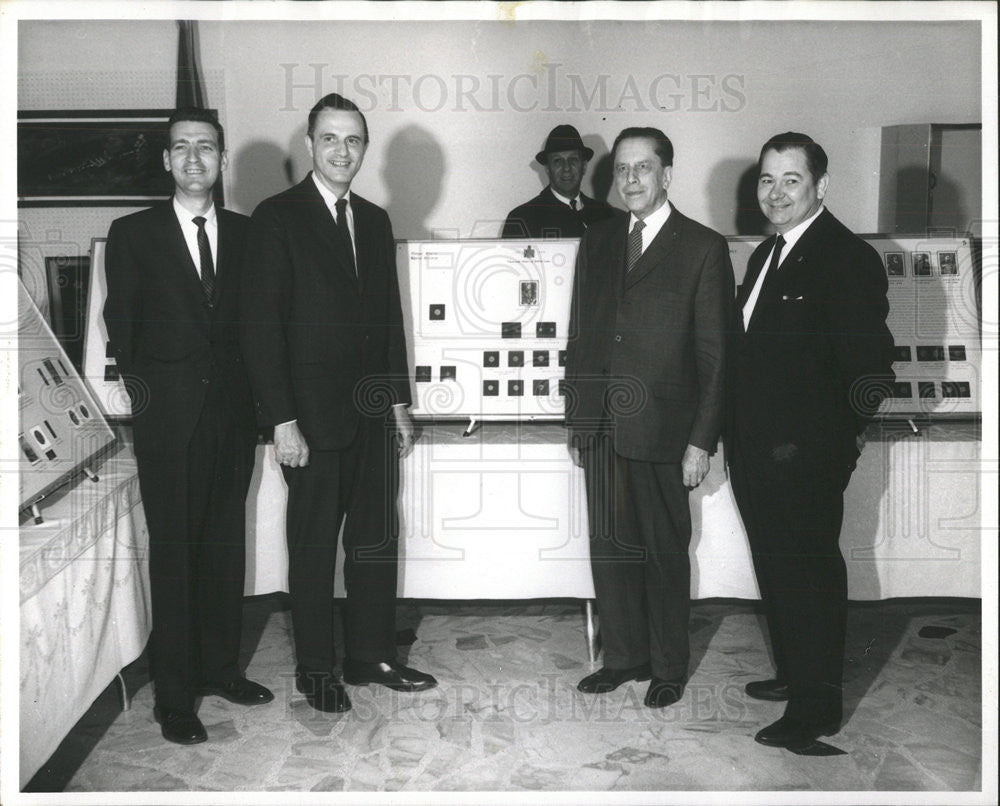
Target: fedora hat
x=563 y=138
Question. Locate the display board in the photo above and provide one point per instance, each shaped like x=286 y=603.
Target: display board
x=934 y=317
x=99 y=366
x=61 y=427
x=490 y=320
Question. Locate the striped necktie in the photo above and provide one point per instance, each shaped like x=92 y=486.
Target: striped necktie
x=633 y=250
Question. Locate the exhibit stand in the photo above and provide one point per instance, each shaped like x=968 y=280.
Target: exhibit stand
x=501 y=515
x=84 y=602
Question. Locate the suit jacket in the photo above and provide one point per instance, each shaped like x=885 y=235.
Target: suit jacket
x=646 y=350
x=816 y=361
x=167 y=339
x=323 y=345
x=547 y=217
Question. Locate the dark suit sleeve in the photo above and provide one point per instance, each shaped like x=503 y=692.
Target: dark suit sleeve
x=265 y=305
x=397 y=362
x=514 y=226
x=712 y=306
x=572 y=371
x=123 y=306
x=862 y=342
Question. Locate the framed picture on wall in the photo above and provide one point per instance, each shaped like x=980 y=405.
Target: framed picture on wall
x=93 y=158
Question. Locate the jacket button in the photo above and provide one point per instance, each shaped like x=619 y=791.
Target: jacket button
x=205 y=381
x=618 y=337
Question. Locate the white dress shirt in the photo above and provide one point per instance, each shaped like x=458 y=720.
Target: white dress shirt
x=190 y=231
x=653 y=224
x=791 y=238
x=567 y=201
x=330 y=199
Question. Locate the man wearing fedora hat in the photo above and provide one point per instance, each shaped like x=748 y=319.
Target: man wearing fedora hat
x=561 y=210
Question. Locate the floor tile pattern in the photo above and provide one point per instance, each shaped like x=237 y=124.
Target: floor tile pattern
x=507 y=717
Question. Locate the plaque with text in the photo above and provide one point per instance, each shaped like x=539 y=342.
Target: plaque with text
x=489 y=326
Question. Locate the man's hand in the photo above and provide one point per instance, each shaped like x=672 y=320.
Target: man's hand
x=290 y=446
x=694 y=466
x=406 y=432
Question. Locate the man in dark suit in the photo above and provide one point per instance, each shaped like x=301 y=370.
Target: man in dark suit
x=325 y=349
x=173 y=283
x=810 y=364
x=561 y=210
x=644 y=377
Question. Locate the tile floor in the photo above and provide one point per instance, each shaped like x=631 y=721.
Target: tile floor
x=507 y=717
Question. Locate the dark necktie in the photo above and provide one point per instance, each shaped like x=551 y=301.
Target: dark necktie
x=574 y=205
x=633 y=249
x=205 y=257
x=345 y=233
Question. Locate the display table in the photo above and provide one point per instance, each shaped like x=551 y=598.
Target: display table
x=85 y=608
x=501 y=515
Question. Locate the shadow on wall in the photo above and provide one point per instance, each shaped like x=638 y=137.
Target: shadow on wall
x=259 y=171
x=413 y=173
x=734 y=184
x=602 y=180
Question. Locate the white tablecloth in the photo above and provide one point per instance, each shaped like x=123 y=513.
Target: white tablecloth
x=85 y=609
x=501 y=515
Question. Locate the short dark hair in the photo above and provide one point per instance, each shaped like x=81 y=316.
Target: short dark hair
x=334 y=101
x=816 y=160
x=196 y=114
x=661 y=143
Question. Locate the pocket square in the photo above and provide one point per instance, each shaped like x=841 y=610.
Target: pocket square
x=787 y=297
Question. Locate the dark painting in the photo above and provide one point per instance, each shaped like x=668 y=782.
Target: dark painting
x=92 y=158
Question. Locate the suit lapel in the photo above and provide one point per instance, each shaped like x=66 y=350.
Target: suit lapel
x=754 y=267
x=791 y=263
x=178 y=253
x=227 y=247
x=656 y=253
x=363 y=238
x=616 y=256
x=321 y=221
x=811 y=238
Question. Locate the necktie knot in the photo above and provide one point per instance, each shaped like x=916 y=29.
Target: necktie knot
x=574 y=204
x=779 y=244
x=199 y=221
x=639 y=226
x=341 y=206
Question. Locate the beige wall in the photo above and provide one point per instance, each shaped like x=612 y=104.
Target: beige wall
x=456 y=170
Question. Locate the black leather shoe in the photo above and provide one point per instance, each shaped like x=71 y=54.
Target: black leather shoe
x=662 y=693
x=794 y=735
x=604 y=679
x=179 y=727
x=323 y=690
x=391 y=675
x=240 y=691
x=771 y=690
